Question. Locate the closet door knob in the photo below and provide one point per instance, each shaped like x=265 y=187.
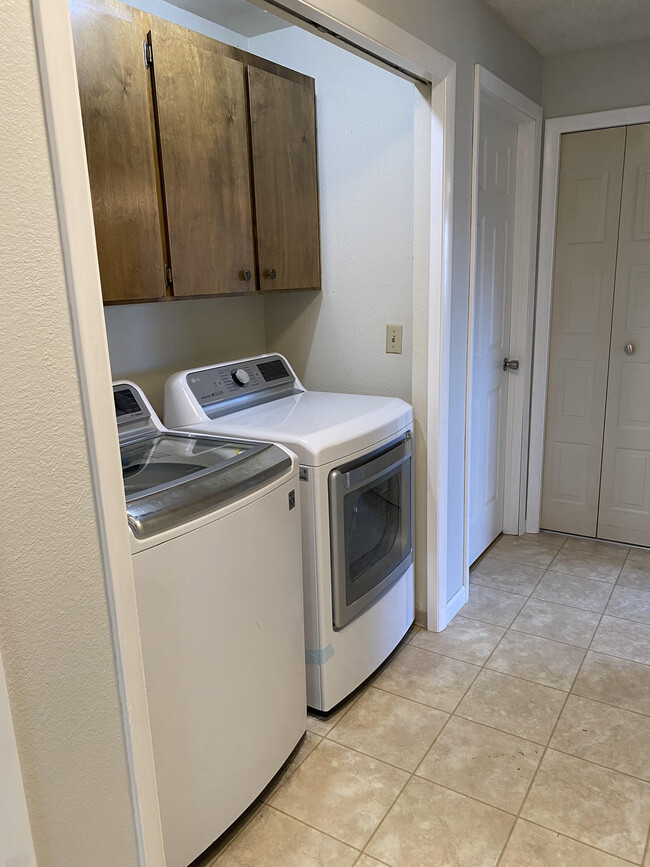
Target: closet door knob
x=628 y=349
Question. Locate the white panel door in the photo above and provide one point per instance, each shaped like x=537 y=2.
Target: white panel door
x=624 y=513
x=591 y=170
x=497 y=154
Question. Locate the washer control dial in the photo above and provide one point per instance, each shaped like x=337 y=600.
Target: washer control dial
x=240 y=377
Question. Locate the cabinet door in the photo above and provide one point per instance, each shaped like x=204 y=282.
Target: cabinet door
x=591 y=172
x=203 y=129
x=624 y=513
x=283 y=138
x=115 y=93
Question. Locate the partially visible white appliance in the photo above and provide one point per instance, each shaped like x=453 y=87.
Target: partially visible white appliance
x=215 y=539
x=356 y=457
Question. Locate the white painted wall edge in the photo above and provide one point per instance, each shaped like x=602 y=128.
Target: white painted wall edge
x=72 y=189
x=443 y=110
x=554 y=129
x=65 y=131
x=517 y=108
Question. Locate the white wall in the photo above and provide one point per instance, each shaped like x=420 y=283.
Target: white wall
x=468 y=32
x=336 y=337
x=55 y=630
x=617 y=76
x=147 y=342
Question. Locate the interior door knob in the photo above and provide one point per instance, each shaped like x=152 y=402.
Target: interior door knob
x=628 y=349
x=509 y=364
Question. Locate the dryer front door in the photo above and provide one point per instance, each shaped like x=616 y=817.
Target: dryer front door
x=371 y=527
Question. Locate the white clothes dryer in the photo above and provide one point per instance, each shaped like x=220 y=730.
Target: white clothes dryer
x=356 y=493
x=215 y=540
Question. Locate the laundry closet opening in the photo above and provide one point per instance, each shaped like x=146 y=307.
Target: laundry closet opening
x=374 y=179
x=596 y=477
x=335 y=338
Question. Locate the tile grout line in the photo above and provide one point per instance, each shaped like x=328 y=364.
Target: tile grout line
x=413 y=773
x=454 y=713
x=314 y=828
x=550 y=738
x=545 y=747
x=512 y=827
x=259 y=804
x=575 y=840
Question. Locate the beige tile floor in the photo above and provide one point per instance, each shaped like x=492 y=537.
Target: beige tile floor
x=519 y=736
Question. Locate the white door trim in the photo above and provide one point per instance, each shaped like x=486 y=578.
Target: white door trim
x=553 y=130
x=358 y=25
x=517 y=108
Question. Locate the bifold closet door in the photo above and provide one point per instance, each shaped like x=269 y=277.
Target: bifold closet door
x=624 y=513
x=591 y=170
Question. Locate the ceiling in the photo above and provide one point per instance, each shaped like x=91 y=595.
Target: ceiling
x=558 y=26
x=238 y=15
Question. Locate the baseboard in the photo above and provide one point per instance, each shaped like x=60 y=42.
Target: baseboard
x=456 y=603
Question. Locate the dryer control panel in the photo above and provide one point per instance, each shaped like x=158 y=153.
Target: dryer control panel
x=229 y=387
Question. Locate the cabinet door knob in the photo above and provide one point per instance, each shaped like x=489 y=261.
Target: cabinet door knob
x=246 y=275
x=271 y=272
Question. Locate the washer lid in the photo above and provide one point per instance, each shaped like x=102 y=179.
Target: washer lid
x=170 y=479
x=320 y=427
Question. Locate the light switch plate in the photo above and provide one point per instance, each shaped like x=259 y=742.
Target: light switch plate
x=394 y=338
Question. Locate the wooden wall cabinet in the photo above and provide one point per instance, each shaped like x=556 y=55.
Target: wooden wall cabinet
x=202 y=161
x=117 y=109
x=283 y=144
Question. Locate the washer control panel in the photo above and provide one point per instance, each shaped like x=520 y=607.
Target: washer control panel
x=227 y=387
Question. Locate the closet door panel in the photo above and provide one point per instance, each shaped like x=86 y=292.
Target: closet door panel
x=591 y=170
x=625 y=490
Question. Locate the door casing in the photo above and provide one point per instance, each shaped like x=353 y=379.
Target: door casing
x=553 y=130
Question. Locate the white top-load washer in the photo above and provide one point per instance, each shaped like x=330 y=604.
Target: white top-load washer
x=356 y=492
x=215 y=540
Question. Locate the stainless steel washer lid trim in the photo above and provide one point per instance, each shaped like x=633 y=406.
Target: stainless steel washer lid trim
x=160 y=510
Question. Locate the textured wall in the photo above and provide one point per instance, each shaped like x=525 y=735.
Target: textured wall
x=148 y=342
x=617 y=76
x=336 y=338
x=468 y=32
x=55 y=632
